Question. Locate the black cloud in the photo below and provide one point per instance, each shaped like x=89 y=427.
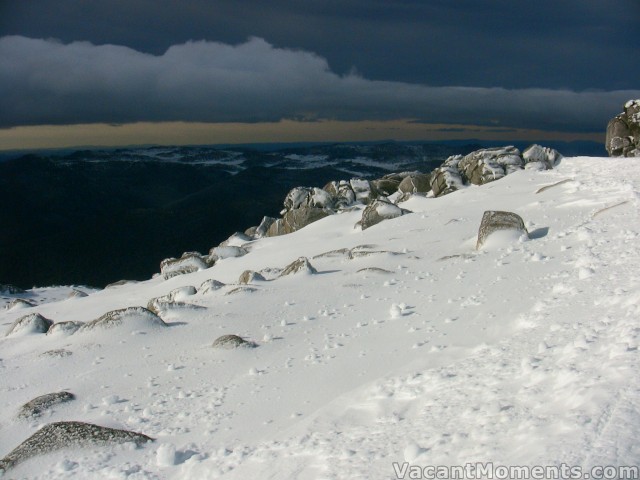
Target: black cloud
x=49 y=82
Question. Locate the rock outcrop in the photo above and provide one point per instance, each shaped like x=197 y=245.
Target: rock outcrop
x=59 y=435
x=623 y=132
x=302 y=264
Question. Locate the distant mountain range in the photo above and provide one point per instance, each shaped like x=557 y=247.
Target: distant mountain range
x=92 y=217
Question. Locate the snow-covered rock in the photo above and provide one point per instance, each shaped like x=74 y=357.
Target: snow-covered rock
x=35 y=407
x=189 y=262
x=59 y=435
x=489 y=164
x=228 y=342
x=378 y=211
x=301 y=265
x=537 y=157
x=29 y=324
x=623 y=132
x=134 y=317
x=507 y=224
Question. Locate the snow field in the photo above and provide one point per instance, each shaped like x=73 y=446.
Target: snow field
x=418 y=349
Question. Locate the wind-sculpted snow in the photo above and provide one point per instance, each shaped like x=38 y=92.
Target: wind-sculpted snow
x=408 y=344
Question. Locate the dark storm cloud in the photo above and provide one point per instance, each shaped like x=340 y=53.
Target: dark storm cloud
x=49 y=82
x=575 y=44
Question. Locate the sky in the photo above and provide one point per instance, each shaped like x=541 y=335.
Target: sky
x=116 y=72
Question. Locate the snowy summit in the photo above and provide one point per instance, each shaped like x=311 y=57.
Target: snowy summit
x=335 y=352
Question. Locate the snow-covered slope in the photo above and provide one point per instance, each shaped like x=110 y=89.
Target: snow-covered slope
x=408 y=345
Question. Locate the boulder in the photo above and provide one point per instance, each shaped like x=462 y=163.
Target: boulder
x=59 y=435
x=190 y=262
x=19 y=304
x=499 y=221
x=342 y=193
x=276 y=229
x=229 y=251
x=138 y=316
x=249 y=276
x=386 y=186
x=537 y=157
x=209 y=286
x=363 y=190
x=64 y=328
x=35 y=407
x=300 y=265
x=446 y=178
x=229 y=342
x=623 y=132
x=415 y=183
x=294 y=220
x=304 y=197
x=263 y=228
x=32 y=323
x=489 y=164
x=378 y=211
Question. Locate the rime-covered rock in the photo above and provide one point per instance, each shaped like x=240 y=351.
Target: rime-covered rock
x=249 y=276
x=364 y=191
x=623 y=132
x=64 y=328
x=19 y=304
x=495 y=221
x=190 y=262
x=300 y=265
x=489 y=164
x=229 y=342
x=60 y=435
x=446 y=178
x=537 y=157
x=75 y=293
x=263 y=228
x=135 y=316
x=378 y=211
x=29 y=324
x=35 y=407
x=308 y=197
x=228 y=251
x=343 y=194
x=209 y=286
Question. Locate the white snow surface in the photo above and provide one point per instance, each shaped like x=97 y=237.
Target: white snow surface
x=425 y=350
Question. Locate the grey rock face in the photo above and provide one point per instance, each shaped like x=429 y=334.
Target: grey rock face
x=341 y=191
x=447 y=178
x=35 y=407
x=229 y=342
x=189 y=262
x=378 y=211
x=32 y=323
x=493 y=221
x=489 y=164
x=118 y=317
x=300 y=265
x=623 y=132
x=294 y=220
x=59 y=435
x=75 y=293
